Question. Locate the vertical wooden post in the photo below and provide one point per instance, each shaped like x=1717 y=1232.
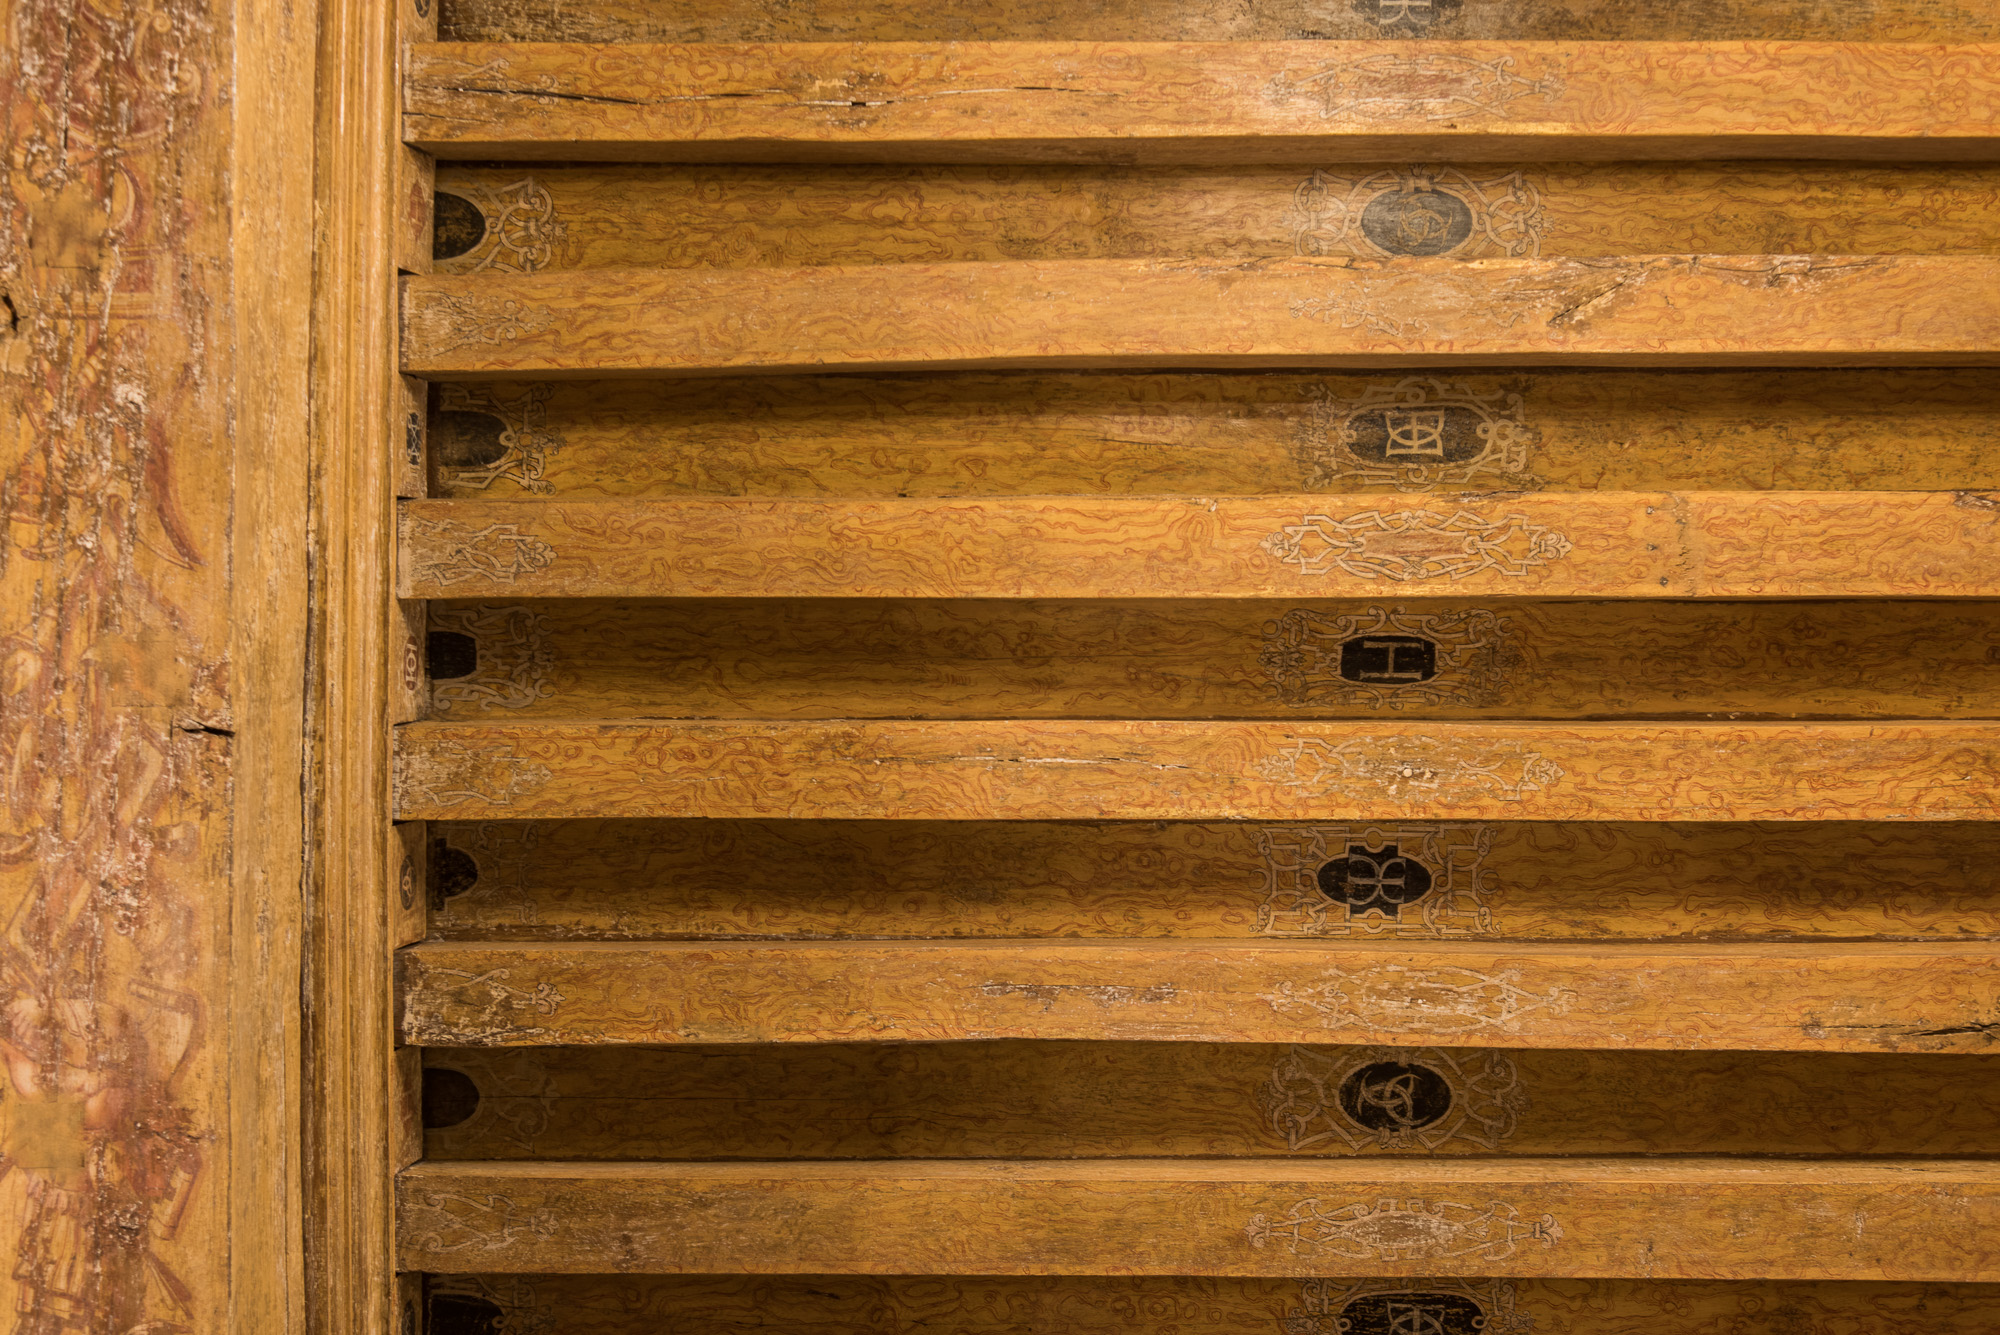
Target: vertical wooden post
x=350 y=1132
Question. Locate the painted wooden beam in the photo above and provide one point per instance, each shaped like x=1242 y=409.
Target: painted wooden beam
x=1202 y=21
x=1516 y=880
x=1207 y=1305
x=1023 y=1099
x=735 y=216
x=1646 y=310
x=1579 y=544
x=826 y=658
x=1019 y=433
x=1227 y=102
x=1095 y=770
x=1696 y=1219
x=1900 y=997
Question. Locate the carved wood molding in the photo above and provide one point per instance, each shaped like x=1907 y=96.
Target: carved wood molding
x=350 y=1061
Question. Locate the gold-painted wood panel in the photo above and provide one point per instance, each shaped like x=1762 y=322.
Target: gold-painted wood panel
x=1714 y=1219
x=1206 y=21
x=1557 y=545
x=1517 y=880
x=1174 y=770
x=1230 y=102
x=1647 y=310
x=1388 y=658
x=521 y=219
x=1905 y=997
x=1027 y=433
x=1194 y=1305
x=1015 y=1099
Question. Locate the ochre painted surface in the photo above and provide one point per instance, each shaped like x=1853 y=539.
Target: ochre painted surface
x=1207 y=21
x=1199 y=102
x=1578 y=544
x=1095 y=770
x=794 y=702
x=609 y=216
x=1905 y=997
x=1710 y=1219
x=1030 y=434
x=1641 y=310
x=525 y=880
x=1248 y=658
x=1018 y=1099
x=1198 y=1305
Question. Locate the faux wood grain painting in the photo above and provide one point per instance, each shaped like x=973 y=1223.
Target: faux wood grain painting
x=1013 y=1099
x=1197 y=102
x=1700 y=545
x=1401 y=880
x=1198 y=1305
x=1906 y=997
x=1206 y=434
x=1917 y=1220
x=502 y=220
x=1666 y=311
x=1187 y=21
x=1069 y=770
x=1393 y=658
x=1172 y=669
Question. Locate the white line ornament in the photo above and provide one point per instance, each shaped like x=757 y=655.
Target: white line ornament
x=1407 y=1230
x=1424 y=86
x=1413 y=769
x=1397 y=999
x=447 y=552
x=1408 y=545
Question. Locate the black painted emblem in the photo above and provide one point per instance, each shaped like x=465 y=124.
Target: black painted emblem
x=457 y=226
x=1381 y=881
x=1390 y=659
x=465 y=1314
x=462 y=439
x=453 y=871
x=1395 y=1096
x=1417 y=220
x=1413 y=1314
x=449 y=654
x=1444 y=434
x=449 y=1097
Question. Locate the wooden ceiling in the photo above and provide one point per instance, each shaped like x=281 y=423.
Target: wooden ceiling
x=1187 y=668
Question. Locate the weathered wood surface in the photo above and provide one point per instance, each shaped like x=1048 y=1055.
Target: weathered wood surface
x=1228 y=102
x=1905 y=997
x=155 y=261
x=1016 y=1099
x=1096 y=770
x=520 y=219
x=372 y=215
x=1597 y=544
x=1206 y=21
x=1198 y=1305
x=1032 y=434
x=1705 y=1218
x=1250 y=658
x=1663 y=311
x=1517 y=880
